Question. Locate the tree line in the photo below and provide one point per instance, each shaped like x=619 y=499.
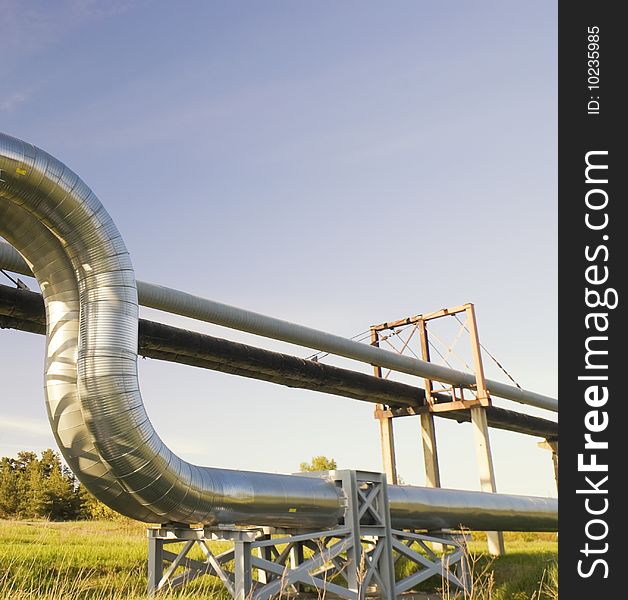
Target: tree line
x=42 y=487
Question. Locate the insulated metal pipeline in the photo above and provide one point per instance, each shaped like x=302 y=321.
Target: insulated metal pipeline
x=11 y=259
x=94 y=404
x=188 y=305
x=24 y=310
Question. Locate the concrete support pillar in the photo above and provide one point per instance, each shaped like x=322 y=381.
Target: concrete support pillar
x=430 y=451
x=387 y=438
x=552 y=445
x=495 y=539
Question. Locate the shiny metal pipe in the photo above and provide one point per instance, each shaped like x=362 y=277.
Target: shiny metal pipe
x=83 y=268
x=195 y=307
x=85 y=274
x=188 y=305
x=54 y=272
x=11 y=259
x=437 y=508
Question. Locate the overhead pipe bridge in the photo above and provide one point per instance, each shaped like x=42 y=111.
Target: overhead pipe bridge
x=24 y=310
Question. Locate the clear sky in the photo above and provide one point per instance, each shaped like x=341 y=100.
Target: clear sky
x=336 y=164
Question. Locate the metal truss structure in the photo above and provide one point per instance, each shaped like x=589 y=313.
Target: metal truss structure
x=454 y=399
x=354 y=559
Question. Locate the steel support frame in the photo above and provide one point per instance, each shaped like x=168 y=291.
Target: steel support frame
x=552 y=445
x=386 y=431
x=357 y=557
x=443 y=555
x=477 y=408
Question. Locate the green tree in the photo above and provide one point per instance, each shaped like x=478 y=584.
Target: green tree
x=319 y=463
x=61 y=501
x=24 y=459
x=8 y=487
x=94 y=509
x=32 y=487
x=49 y=461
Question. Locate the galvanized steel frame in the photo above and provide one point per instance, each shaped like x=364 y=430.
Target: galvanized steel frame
x=360 y=555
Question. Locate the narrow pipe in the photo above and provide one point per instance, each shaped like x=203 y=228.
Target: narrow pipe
x=188 y=305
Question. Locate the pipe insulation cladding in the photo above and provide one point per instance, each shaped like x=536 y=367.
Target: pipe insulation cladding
x=94 y=405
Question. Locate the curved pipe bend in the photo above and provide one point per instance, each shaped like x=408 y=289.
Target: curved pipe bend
x=95 y=408
x=54 y=274
x=94 y=404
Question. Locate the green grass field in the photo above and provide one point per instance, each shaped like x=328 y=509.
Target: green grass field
x=107 y=560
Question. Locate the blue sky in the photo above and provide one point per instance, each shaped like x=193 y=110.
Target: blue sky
x=336 y=164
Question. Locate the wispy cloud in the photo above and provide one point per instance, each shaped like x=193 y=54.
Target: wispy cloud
x=24 y=425
x=187 y=448
x=103 y=8
x=28 y=28
x=12 y=101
